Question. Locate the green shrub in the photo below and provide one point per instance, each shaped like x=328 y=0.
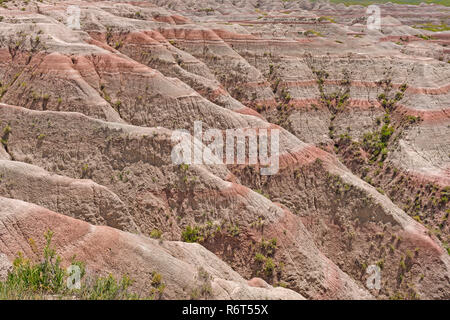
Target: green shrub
x=269 y=266
x=260 y=257
x=386 y=132
x=155 y=234
x=108 y=288
x=46 y=278
x=402 y=264
x=28 y=279
x=6 y=131
x=269 y=247
x=156 y=279
x=191 y=234
x=234 y=230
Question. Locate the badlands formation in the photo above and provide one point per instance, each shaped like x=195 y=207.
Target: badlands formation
x=87 y=114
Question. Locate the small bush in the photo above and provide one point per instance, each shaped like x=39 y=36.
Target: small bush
x=28 y=279
x=269 y=247
x=108 y=288
x=46 y=278
x=269 y=266
x=156 y=279
x=260 y=257
x=234 y=230
x=191 y=234
x=155 y=234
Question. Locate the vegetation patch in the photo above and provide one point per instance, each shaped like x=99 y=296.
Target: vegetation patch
x=47 y=279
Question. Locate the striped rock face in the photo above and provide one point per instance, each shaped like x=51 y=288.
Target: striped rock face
x=353 y=103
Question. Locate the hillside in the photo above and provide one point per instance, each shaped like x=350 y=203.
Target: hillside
x=89 y=109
